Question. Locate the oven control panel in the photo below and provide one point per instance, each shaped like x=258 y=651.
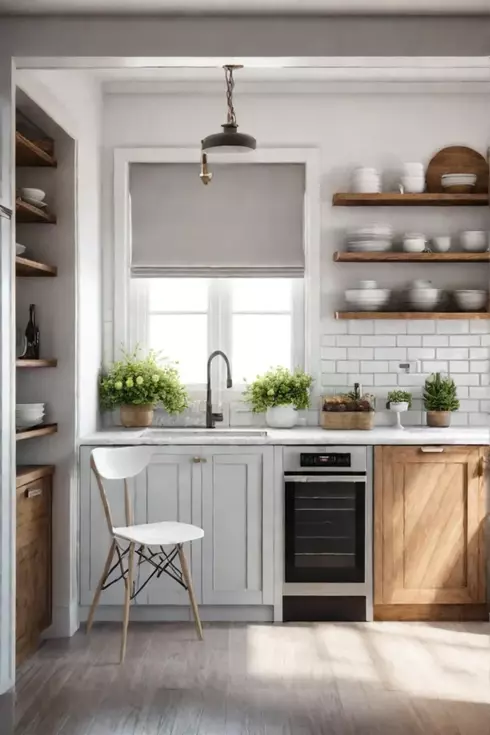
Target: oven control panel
x=327 y=459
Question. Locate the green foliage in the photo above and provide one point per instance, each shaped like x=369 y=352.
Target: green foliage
x=137 y=380
x=440 y=394
x=400 y=396
x=279 y=387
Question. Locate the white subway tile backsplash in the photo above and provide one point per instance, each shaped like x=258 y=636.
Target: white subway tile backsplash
x=334 y=353
x=480 y=366
x=421 y=353
x=329 y=366
x=379 y=340
x=459 y=366
x=452 y=353
x=348 y=366
x=469 y=405
x=333 y=326
x=463 y=391
x=485 y=340
x=464 y=340
x=329 y=340
x=365 y=380
x=409 y=340
x=480 y=392
x=384 y=380
x=459 y=418
x=421 y=327
x=391 y=353
x=337 y=380
x=361 y=327
x=479 y=353
x=453 y=326
x=360 y=353
x=485 y=406
x=348 y=340
x=408 y=380
x=465 y=379
x=374 y=367
x=479 y=326
x=390 y=326
x=484 y=379
x=435 y=340
x=435 y=366
x=479 y=419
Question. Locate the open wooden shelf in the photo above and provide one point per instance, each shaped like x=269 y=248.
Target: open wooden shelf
x=393 y=257
x=36 y=431
x=30 y=472
x=27 y=268
x=28 y=153
x=27 y=214
x=393 y=199
x=40 y=363
x=412 y=315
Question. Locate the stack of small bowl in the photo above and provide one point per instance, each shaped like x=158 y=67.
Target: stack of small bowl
x=366 y=181
x=29 y=414
x=413 y=178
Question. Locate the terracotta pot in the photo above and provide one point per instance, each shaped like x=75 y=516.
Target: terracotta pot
x=439 y=419
x=136 y=416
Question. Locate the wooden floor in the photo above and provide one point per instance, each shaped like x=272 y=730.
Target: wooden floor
x=390 y=678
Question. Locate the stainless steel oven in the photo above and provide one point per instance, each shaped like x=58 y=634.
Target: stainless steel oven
x=328 y=517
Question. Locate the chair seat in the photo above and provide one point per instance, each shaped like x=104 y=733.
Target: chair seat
x=166 y=533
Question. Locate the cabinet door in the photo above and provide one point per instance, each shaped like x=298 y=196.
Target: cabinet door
x=173 y=481
x=429 y=511
x=233 y=558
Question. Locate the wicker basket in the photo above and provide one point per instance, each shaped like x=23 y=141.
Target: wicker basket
x=347 y=420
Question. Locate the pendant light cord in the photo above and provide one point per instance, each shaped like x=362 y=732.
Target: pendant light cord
x=230 y=86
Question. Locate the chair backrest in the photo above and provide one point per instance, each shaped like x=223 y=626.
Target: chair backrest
x=118 y=463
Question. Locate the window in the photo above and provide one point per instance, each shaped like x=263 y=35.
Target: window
x=257 y=322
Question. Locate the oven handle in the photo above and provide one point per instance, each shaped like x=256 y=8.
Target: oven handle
x=325 y=478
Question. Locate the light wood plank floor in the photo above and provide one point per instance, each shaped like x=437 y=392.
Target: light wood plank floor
x=332 y=678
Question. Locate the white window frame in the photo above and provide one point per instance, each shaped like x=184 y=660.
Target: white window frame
x=124 y=310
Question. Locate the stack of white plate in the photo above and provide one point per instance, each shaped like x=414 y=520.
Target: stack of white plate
x=366 y=181
x=29 y=414
x=375 y=238
x=413 y=178
x=367 y=297
x=33 y=196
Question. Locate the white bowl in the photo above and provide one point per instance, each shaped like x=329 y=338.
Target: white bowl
x=19 y=249
x=414 y=244
x=371 y=232
x=413 y=169
x=36 y=195
x=441 y=243
x=363 y=171
x=474 y=241
x=366 y=188
x=423 y=299
x=471 y=300
x=449 y=180
x=413 y=184
x=29 y=405
x=368 y=285
x=367 y=299
x=369 y=246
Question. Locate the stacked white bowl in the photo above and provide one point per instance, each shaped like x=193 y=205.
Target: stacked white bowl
x=29 y=414
x=366 y=181
x=373 y=238
x=367 y=297
x=413 y=178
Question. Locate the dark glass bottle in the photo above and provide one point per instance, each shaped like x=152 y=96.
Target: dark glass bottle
x=32 y=335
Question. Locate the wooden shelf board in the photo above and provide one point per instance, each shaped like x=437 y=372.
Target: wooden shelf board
x=27 y=268
x=393 y=257
x=41 y=363
x=412 y=315
x=393 y=199
x=28 y=153
x=36 y=431
x=30 y=472
x=29 y=214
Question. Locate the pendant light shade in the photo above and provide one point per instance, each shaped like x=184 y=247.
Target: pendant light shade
x=230 y=140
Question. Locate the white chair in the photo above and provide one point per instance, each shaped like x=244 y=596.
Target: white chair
x=121 y=464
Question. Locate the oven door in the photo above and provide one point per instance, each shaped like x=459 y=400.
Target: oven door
x=325 y=528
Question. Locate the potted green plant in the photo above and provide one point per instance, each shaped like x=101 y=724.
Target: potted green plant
x=440 y=400
x=137 y=383
x=280 y=393
x=398 y=402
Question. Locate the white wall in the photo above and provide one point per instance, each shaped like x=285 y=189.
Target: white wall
x=380 y=130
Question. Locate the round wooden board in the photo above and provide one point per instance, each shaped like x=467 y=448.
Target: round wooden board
x=457 y=159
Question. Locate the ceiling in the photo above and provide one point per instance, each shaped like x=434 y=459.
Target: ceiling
x=243 y=7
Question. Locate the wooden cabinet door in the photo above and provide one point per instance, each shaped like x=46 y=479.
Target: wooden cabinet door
x=429 y=512
x=34 y=558
x=236 y=558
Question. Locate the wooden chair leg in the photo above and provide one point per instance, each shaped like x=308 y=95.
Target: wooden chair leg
x=188 y=581
x=98 y=591
x=127 y=601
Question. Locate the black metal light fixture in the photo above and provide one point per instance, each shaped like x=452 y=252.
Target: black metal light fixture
x=230 y=140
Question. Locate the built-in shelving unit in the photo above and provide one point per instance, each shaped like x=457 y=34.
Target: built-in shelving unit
x=30 y=472
x=36 y=431
x=29 y=214
x=41 y=363
x=412 y=315
x=394 y=199
x=393 y=257
x=27 y=268
x=31 y=153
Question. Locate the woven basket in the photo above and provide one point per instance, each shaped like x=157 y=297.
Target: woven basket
x=347 y=420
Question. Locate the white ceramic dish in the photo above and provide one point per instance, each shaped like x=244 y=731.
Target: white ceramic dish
x=19 y=249
x=372 y=232
x=471 y=300
x=413 y=184
x=413 y=242
x=35 y=202
x=474 y=241
x=441 y=243
x=36 y=195
x=367 y=299
x=449 y=180
x=369 y=246
x=366 y=188
x=413 y=169
x=424 y=299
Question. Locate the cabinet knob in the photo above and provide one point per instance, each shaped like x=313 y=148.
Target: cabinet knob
x=431 y=450
x=196 y=459
x=34 y=492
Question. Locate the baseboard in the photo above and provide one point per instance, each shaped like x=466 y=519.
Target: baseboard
x=431 y=612
x=65 y=621
x=172 y=613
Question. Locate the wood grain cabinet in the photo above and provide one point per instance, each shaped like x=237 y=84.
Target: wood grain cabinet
x=429 y=552
x=34 y=557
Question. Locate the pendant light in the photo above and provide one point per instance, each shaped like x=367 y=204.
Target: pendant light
x=230 y=140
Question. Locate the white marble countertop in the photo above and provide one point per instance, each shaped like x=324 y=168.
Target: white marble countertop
x=296 y=436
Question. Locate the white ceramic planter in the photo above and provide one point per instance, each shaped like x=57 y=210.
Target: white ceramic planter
x=281 y=417
x=398 y=408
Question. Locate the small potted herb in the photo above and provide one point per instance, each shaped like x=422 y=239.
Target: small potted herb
x=440 y=400
x=399 y=401
x=137 y=384
x=280 y=393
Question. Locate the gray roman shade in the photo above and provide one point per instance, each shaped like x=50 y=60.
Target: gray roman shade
x=247 y=222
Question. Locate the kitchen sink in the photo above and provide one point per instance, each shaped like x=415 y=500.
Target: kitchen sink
x=196 y=431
